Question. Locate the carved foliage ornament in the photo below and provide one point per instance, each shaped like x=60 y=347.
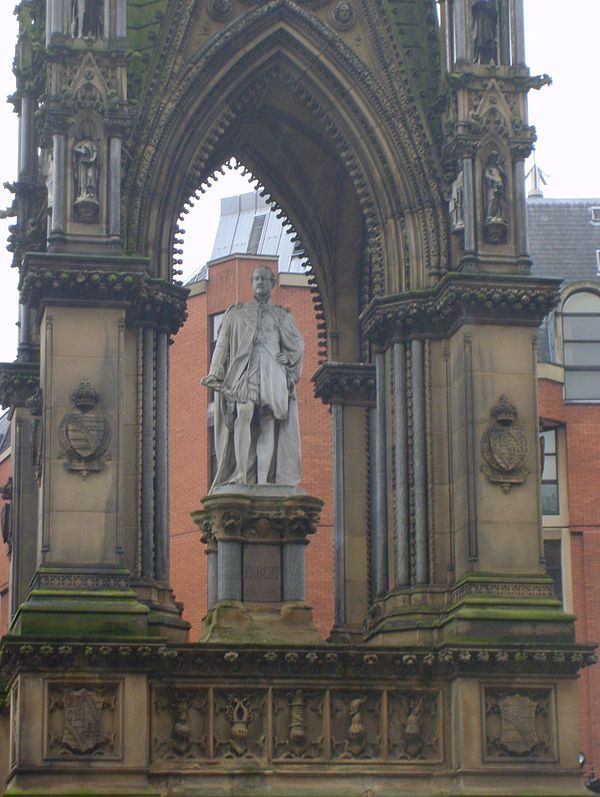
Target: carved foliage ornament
x=504 y=447
x=84 y=434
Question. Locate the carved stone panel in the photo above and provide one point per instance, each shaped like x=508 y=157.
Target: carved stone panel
x=298 y=731
x=504 y=447
x=519 y=724
x=83 y=720
x=179 y=724
x=414 y=724
x=356 y=725
x=240 y=724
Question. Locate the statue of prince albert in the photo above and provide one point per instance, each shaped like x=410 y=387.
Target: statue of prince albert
x=254 y=370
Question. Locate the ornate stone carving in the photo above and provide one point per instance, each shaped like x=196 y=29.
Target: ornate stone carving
x=84 y=435
x=343 y=16
x=355 y=725
x=18 y=381
x=179 y=724
x=86 y=171
x=220 y=9
x=298 y=724
x=414 y=725
x=150 y=302
x=519 y=723
x=441 y=311
x=504 y=447
x=494 y=196
x=6 y=493
x=83 y=721
x=244 y=518
x=240 y=724
x=346 y=383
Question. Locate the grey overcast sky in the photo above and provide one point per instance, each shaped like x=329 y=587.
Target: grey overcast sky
x=562 y=41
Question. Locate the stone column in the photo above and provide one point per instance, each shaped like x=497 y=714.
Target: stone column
x=89 y=538
x=349 y=389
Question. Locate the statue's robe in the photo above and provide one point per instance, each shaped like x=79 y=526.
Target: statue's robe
x=244 y=361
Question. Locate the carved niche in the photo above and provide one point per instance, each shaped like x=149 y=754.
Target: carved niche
x=84 y=434
x=355 y=725
x=240 y=724
x=179 y=724
x=414 y=726
x=519 y=724
x=504 y=447
x=298 y=724
x=83 y=721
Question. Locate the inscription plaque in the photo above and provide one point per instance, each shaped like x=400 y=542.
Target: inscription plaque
x=262 y=573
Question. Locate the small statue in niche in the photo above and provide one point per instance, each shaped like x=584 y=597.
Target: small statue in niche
x=86 y=19
x=86 y=171
x=457 y=203
x=494 y=197
x=485 y=31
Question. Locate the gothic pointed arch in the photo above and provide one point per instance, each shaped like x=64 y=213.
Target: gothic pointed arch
x=283 y=93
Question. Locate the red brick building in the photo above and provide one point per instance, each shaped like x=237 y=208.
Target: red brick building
x=564 y=238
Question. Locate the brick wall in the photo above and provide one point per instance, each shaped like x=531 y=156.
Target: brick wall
x=229 y=283
x=582 y=425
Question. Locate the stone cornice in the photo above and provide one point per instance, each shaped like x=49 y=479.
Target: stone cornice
x=82 y=279
x=345 y=383
x=215 y=663
x=18 y=381
x=459 y=299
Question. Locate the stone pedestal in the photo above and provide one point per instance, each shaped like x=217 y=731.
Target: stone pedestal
x=255 y=541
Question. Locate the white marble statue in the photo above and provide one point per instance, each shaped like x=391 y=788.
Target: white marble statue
x=255 y=366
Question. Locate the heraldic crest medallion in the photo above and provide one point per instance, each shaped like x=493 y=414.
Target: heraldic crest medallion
x=504 y=447
x=84 y=434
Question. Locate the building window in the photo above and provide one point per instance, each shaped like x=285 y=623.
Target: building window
x=581 y=346
x=598 y=260
x=553 y=557
x=595 y=211
x=550 y=502
x=255 y=234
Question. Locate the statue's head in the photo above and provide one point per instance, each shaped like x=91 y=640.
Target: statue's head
x=263 y=282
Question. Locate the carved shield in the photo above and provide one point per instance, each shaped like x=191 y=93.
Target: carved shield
x=82 y=721
x=86 y=435
x=518 y=724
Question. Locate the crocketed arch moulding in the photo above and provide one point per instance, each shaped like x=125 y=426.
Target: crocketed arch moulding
x=195 y=114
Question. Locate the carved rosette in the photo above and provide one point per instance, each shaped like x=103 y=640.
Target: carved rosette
x=504 y=447
x=84 y=434
x=343 y=16
x=84 y=720
x=519 y=724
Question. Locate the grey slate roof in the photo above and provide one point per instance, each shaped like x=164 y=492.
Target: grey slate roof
x=563 y=239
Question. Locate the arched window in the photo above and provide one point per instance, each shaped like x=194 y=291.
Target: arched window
x=581 y=341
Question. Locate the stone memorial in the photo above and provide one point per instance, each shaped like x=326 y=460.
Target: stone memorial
x=256 y=519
